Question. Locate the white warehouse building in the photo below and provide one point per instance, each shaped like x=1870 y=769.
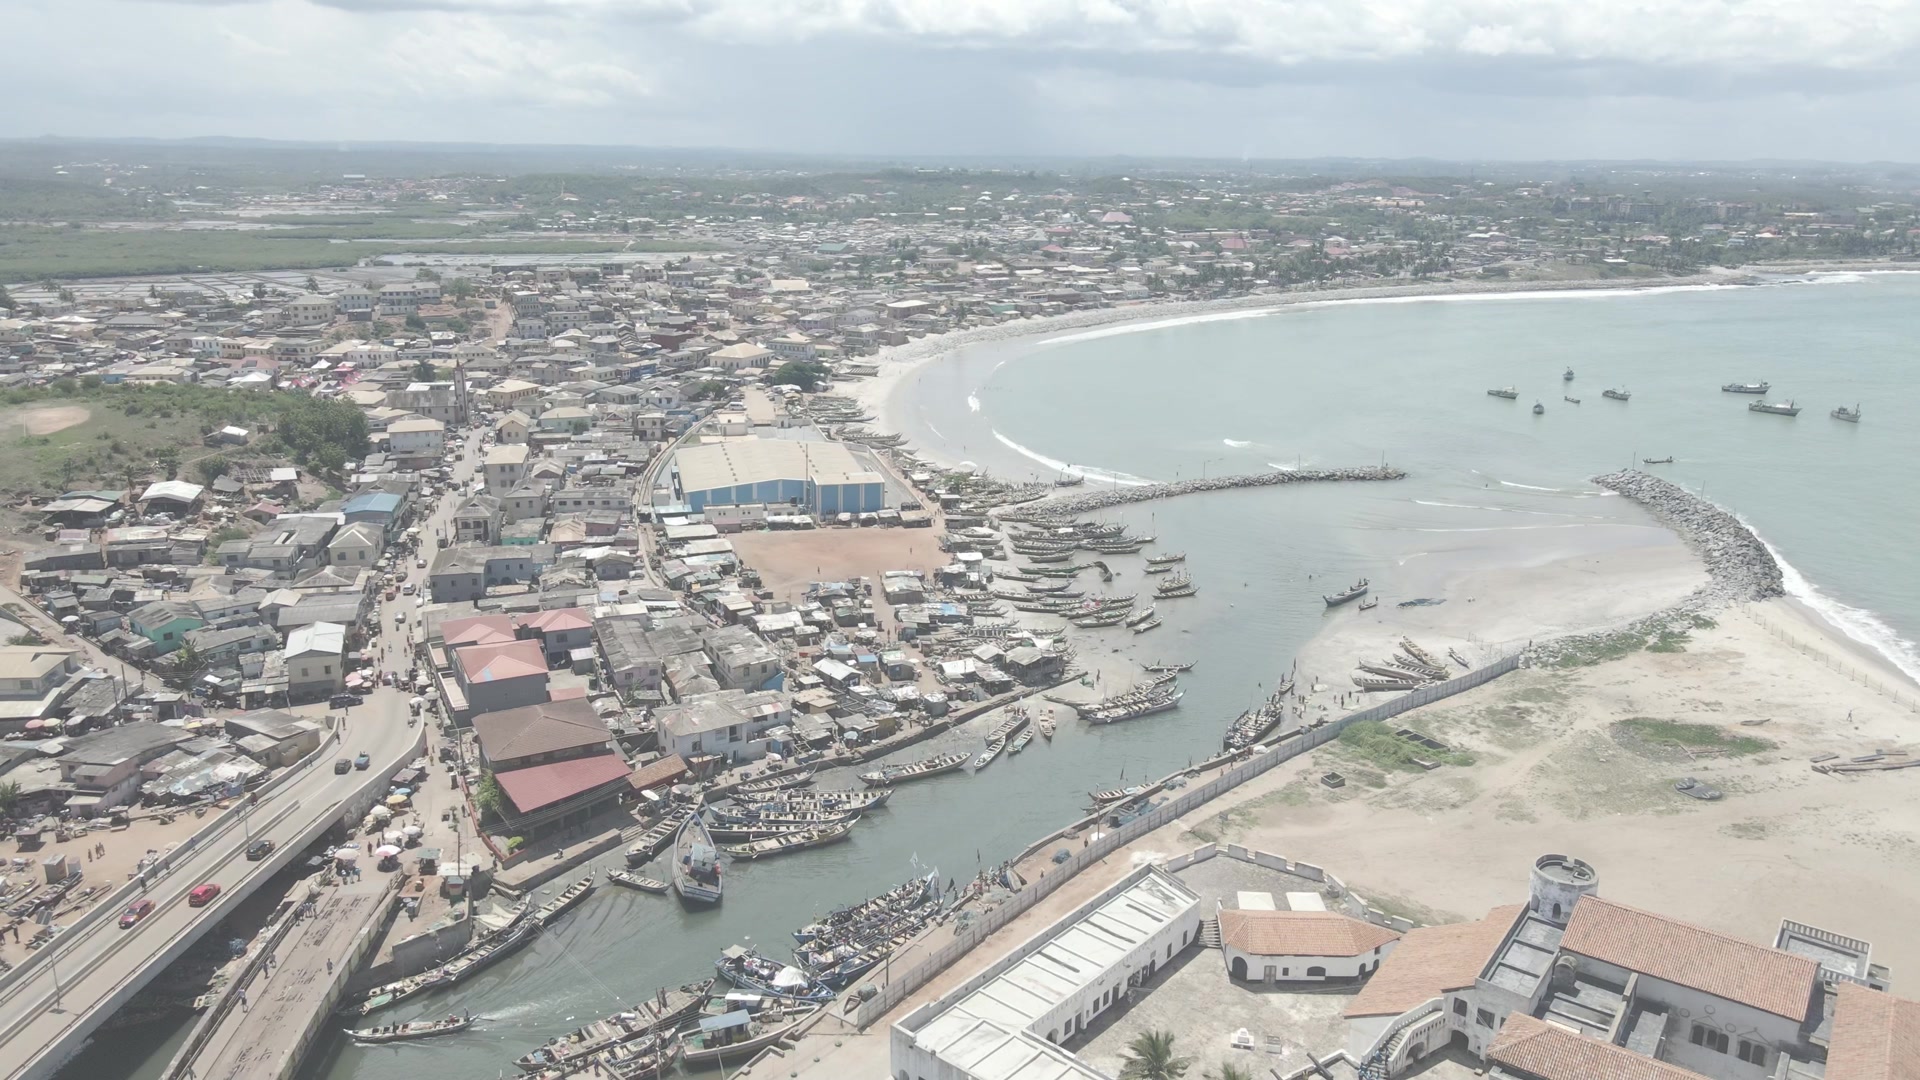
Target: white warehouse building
x=1007 y=1022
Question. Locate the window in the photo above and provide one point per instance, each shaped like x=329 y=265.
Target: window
x=327 y=670
x=1484 y=1017
x=1753 y=1053
x=1459 y=1006
x=1703 y=1035
x=303 y=673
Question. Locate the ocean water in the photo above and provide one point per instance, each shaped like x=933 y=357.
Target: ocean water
x=1404 y=380
x=1331 y=384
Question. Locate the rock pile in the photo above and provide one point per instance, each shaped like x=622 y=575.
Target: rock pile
x=1100 y=500
x=1739 y=567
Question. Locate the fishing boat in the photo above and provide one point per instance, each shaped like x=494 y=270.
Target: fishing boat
x=1142 y=617
x=696 y=863
x=917 y=770
x=414 y=1029
x=748 y=970
x=790 y=842
x=1745 y=388
x=1168 y=559
x=1572 y=400
x=1158 y=568
x=1180 y=585
x=491 y=949
x=839 y=800
x=986 y=756
x=1020 y=742
x=738 y=1035
x=564 y=903
x=1567 y=376
x=742 y=832
x=1170 y=669
x=640 y=1028
x=1851 y=416
x=653 y=841
x=1046 y=729
x=1156 y=701
x=1538 y=408
x=635 y=881
x=778 y=783
x=1507 y=392
x=1353 y=592
x=1787 y=409
x=1114 y=795
x=1668 y=460
x=1369 y=603
x=1617 y=395
x=1150 y=624
x=1386 y=684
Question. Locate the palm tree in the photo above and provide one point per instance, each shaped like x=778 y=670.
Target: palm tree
x=1150 y=1057
x=1229 y=1072
x=9 y=797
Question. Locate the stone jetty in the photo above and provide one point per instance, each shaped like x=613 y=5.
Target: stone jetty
x=1059 y=506
x=1739 y=566
x=1740 y=569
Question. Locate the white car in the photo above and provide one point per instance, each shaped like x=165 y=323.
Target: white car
x=419 y=601
x=420 y=563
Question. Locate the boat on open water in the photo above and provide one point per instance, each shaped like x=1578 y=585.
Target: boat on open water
x=413 y=1029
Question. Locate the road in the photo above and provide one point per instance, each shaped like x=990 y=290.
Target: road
x=46 y=1012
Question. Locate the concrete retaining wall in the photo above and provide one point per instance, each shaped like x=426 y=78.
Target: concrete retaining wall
x=1289 y=746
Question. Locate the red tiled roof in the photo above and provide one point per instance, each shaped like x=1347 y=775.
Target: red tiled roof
x=1301 y=933
x=477 y=630
x=1876 y=1036
x=1687 y=955
x=545 y=728
x=1551 y=1052
x=567 y=618
x=660 y=773
x=543 y=785
x=507 y=660
x=1432 y=960
x=566 y=693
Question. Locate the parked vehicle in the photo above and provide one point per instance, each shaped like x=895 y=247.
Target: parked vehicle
x=136 y=911
x=202 y=895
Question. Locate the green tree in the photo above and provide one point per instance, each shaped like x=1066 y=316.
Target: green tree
x=803 y=374
x=416 y=323
x=459 y=288
x=9 y=797
x=423 y=370
x=1229 y=1072
x=183 y=668
x=168 y=458
x=488 y=796
x=1150 y=1056
x=30 y=637
x=211 y=468
x=6 y=298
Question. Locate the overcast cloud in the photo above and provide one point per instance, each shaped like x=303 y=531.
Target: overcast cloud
x=1263 y=78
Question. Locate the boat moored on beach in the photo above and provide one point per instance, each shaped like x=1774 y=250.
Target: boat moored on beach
x=915 y=770
x=1353 y=592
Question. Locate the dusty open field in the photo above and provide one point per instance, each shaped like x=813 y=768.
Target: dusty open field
x=44 y=419
x=789 y=561
x=1579 y=761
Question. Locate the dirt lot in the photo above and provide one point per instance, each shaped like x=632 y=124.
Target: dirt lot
x=1585 y=760
x=789 y=561
x=44 y=419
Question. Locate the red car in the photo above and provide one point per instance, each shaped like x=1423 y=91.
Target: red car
x=202 y=895
x=138 y=910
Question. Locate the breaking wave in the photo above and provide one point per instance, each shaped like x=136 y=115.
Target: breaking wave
x=1087 y=472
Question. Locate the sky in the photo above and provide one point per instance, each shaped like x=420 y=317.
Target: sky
x=1489 y=79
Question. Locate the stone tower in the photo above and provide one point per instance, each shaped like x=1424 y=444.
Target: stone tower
x=1556 y=882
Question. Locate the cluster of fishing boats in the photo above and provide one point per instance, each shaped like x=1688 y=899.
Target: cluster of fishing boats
x=692 y=1024
x=1410 y=668
x=833 y=951
x=1177 y=585
x=889 y=775
x=1156 y=695
x=1256 y=724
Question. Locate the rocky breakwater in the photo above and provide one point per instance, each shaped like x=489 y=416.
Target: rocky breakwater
x=1740 y=569
x=1065 y=505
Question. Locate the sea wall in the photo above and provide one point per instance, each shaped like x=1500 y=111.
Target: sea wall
x=1739 y=567
x=1102 y=499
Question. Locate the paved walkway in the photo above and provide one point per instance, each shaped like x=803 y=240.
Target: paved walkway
x=284 y=997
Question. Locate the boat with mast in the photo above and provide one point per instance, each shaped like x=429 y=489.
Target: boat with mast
x=1168 y=559
x=491 y=949
x=1567 y=376
x=696 y=863
x=1787 y=408
x=1255 y=724
x=1538 y=408
x=1851 y=416
x=1616 y=395
x=749 y=970
x=1745 y=387
x=739 y=1034
x=1507 y=392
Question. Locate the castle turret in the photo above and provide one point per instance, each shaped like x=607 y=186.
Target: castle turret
x=1556 y=882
